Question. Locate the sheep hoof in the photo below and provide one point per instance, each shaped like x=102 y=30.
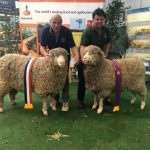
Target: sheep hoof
x=45 y=112
x=13 y=103
x=132 y=101
x=53 y=107
x=1 y=110
x=65 y=107
x=99 y=110
x=142 y=105
x=94 y=107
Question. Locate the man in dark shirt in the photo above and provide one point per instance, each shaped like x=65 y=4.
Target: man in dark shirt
x=54 y=36
x=96 y=34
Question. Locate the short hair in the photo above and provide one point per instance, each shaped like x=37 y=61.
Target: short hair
x=98 y=12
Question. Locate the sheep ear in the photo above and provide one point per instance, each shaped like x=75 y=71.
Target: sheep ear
x=49 y=57
x=51 y=54
x=102 y=53
x=67 y=52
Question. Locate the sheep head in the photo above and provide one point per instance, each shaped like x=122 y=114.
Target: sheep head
x=93 y=55
x=59 y=56
x=60 y=60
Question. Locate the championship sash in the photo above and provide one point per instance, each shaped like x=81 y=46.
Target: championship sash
x=118 y=76
x=28 y=83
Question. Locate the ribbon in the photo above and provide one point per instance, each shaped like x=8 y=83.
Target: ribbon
x=117 y=70
x=28 y=84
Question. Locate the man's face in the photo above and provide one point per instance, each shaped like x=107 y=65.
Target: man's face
x=56 y=23
x=98 y=21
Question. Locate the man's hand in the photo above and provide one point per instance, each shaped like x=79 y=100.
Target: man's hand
x=77 y=59
x=75 y=54
x=82 y=52
x=44 y=52
x=46 y=57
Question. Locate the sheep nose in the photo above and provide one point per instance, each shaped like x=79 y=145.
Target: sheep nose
x=84 y=58
x=61 y=61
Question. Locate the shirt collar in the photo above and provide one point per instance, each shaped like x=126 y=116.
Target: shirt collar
x=51 y=30
x=102 y=30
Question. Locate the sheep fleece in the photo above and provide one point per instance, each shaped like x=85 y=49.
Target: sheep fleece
x=47 y=78
x=100 y=75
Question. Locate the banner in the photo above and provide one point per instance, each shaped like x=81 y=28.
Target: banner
x=139 y=32
x=35 y=15
x=7 y=5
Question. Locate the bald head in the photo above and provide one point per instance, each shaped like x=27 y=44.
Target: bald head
x=56 y=17
x=56 y=23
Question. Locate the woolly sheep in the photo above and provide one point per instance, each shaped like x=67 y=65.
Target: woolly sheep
x=48 y=77
x=2 y=52
x=100 y=76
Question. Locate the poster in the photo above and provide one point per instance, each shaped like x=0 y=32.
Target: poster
x=76 y=14
x=139 y=32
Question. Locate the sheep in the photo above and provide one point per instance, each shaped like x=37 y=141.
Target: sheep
x=100 y=76
x=2 y=52
x=48 y=77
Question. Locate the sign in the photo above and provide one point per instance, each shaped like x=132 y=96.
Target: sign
x=35 y=15
x=138 y=15
x=7 y=5
x=138 y=21
x=4 y=18
x=73 y=12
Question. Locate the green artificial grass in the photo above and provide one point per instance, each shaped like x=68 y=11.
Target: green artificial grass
x=128 y=129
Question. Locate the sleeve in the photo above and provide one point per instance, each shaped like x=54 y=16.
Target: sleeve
x=108 y=36
x=43 y=38
x=71 y=42
x=85 y=38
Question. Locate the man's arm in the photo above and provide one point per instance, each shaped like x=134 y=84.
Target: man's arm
x=44 y=52
x=106 y=49
x=82 y=51
x=75 y=54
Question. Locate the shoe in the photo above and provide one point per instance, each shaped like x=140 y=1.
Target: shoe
x=58 y=104
x=65 y=106
x=107 y=102
x=80 y=105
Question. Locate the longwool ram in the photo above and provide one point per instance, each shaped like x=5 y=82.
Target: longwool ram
x=48 y=77
x=100 y=76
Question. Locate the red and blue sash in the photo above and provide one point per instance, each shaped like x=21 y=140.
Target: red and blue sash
x=28 y=83
x=118 y=76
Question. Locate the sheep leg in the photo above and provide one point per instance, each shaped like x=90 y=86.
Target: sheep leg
x=3 y=92
x=133 y=99
x=143 y=103
x=143 y=97
x=65 y=106
x=1 y=104
x=95 y=102
x=12 y=97
x=44 y=108
x=53 y=103
x=100 y=109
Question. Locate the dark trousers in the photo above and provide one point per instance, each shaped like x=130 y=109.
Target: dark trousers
x=81 y=83
x=65 y=91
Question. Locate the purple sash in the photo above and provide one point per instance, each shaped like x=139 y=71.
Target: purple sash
x=117 y=70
